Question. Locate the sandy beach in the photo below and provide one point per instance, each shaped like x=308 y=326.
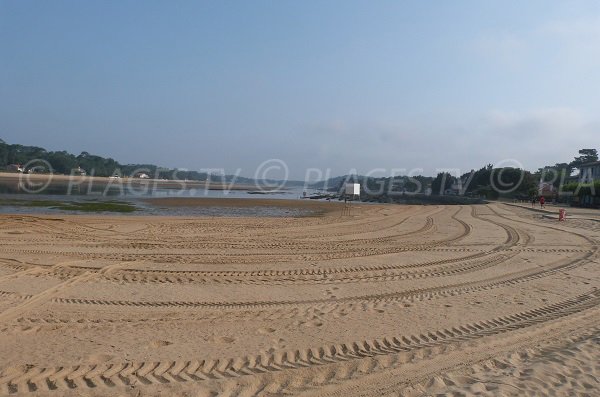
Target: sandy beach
x=378 y=300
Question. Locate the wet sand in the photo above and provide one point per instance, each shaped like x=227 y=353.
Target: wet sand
x=380 y=300
x=318 y=207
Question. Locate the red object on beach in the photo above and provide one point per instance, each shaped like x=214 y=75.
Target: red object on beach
x=562 y=215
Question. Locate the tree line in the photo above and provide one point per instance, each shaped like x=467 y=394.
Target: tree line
x=488 y=182
x=62 y=162
x=493 y=182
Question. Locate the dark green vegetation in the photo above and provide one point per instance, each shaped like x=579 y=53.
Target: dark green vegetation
x=587 y=156
x=559 y=173
x=62 y=162
x=584 y=194
x=82 y=206
x=583 y=189
x=390 y=185
x=487 y=182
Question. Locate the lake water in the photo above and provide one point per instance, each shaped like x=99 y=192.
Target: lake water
x=16 y=203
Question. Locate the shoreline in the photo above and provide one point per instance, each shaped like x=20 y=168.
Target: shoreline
x=197 y=207
x=64 y=180
x=235 y=202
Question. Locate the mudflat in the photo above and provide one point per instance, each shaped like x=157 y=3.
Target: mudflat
x=372 y=300
x=319 y=207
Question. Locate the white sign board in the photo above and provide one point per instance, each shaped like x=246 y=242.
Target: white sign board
x=353 y=189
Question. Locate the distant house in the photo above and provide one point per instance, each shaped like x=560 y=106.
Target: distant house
x=455 y=189
x=37 y=170
x=14 y=168
x=79 y=171
x=142 y=175
x=589 y=172
x=546 y=189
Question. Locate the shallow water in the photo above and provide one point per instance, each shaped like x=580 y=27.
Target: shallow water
x=146 y=208
x=131 y=190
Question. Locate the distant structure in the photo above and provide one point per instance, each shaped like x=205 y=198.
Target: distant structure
x=352 y=190
x=14 y=168
x=37 y=170
x=546 y=189
x=454 y=189
x=589 y=172
x=79 y=171
x=142 y=175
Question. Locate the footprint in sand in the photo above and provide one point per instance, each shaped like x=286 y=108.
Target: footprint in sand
x=222 y=339
x=31 y=330
x=160 y=343
x=206 y=393
x=265 y=330
x=99 y=358
x=313 y=323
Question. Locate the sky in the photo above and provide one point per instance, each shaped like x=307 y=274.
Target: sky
x=335 y=86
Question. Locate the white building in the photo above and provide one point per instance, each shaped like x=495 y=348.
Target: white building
x=352 y=189
x=15 y=168
x=589 y=172
x=545 y=188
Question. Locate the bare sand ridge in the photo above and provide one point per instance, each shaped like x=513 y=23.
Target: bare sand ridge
x=385 y=301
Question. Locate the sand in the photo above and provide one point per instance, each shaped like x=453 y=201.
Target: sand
x=316 y=207
x=381 y=300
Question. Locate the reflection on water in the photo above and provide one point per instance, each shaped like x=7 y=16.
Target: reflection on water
x=260 y=211
x=18 y=204
x=26 y=187
x=14 y=198
x=137 y=190
x=11 y=192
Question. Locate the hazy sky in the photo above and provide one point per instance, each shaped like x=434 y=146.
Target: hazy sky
x=331 y=84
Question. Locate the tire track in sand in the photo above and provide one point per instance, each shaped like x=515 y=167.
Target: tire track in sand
x=37 y=379
x=39 y=299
